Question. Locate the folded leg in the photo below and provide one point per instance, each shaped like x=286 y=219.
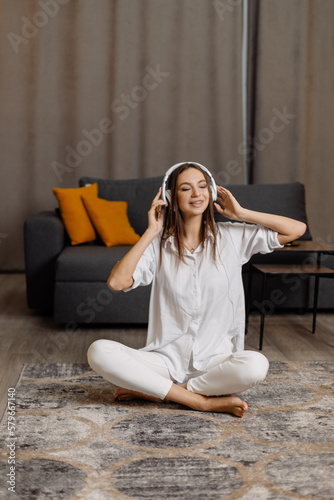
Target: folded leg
x=231 y=375
x=132 y=369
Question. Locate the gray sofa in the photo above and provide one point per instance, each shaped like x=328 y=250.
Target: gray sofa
x=70 y=281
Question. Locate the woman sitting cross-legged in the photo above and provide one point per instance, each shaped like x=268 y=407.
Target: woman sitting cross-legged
x=194 y=353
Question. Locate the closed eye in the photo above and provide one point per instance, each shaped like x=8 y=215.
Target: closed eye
x=187 y=188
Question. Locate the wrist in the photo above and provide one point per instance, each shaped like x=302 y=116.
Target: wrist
x=151 y=233
x=243 y=215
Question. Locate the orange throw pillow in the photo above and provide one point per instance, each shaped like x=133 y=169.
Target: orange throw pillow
x=111 y=221
x=74 y=214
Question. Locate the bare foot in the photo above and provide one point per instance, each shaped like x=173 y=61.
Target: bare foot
x=127 y=395
x=226 y=404
x=221 y=404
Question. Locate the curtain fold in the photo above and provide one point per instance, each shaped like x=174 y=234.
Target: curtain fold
x=126 y=88
x=293 y=103
x=252 y=51
x=113 y=89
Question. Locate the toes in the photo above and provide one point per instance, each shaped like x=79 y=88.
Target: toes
x=240 y=408
x=239 y=412
x=121 y=395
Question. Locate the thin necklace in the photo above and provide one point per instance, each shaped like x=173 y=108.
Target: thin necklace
x=192 y=249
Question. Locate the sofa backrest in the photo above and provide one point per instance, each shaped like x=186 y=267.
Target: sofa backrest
x=281 y=199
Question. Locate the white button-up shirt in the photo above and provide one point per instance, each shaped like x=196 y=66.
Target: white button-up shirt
x=197 y=308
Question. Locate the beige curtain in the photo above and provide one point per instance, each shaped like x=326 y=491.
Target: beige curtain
x=293 y=135
x=121 y=89
x=115 y=89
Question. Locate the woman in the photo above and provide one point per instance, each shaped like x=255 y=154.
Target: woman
x=194 y=353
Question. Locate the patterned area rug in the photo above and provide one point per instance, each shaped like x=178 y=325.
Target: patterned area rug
x=71 y=440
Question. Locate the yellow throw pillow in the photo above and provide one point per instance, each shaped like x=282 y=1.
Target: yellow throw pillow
x=111 y=221
x=76 y=220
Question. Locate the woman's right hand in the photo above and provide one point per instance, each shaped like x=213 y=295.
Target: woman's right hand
x=121 y=276
x=154 y=223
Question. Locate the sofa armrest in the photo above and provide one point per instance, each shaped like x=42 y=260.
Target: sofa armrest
x=44 y=240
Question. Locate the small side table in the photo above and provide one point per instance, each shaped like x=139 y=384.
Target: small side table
x=274 y=270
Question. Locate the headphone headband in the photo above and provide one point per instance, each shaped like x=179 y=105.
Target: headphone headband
x=165 y=192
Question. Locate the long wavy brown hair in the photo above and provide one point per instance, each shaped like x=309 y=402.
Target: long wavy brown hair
x=174 y=219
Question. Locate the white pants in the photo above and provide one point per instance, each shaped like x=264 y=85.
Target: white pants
x=146 y=372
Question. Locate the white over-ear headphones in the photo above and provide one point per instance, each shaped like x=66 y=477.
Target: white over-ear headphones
x=166 y=193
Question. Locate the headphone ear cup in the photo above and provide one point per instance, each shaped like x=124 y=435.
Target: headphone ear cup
x=168 y=195
x=213 y=188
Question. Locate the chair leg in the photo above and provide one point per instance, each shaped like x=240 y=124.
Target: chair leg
x=249 y=296
x=315 y=302
x=262 y=311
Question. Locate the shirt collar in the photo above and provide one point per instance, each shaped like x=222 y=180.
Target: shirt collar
x=171 y=240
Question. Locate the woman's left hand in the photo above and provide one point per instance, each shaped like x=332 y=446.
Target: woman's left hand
x=227 y=205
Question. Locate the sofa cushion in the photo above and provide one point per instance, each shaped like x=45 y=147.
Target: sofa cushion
x=88 y=263
x=110 y=220
x=74 y=215
x=138 y=193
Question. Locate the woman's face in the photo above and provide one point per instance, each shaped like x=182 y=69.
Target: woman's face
x=192 y=192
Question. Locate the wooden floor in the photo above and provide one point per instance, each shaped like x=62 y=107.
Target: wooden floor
x=26 y=337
